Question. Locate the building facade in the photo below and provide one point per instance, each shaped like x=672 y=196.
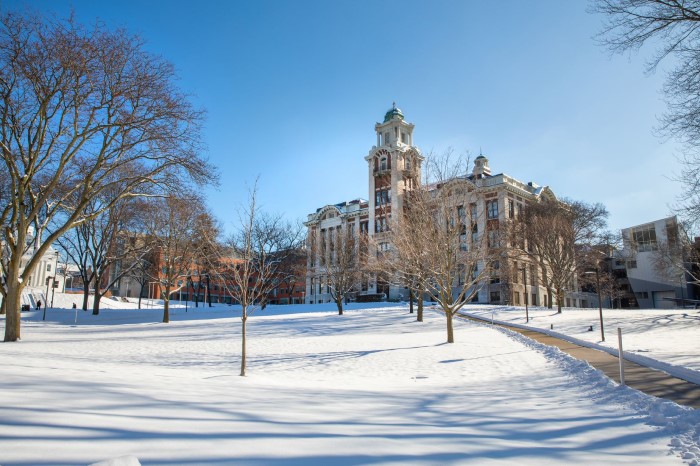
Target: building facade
x=643 y=245
x=394 y=168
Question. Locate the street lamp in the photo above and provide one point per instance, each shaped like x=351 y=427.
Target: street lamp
x=527 y=313
x=600 y=304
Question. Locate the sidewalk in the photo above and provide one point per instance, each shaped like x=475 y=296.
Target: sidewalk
x=642 y=378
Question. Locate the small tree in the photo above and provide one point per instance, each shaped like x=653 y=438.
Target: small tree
x=551 y=234
x=341 y=263
x=171 y=224
x=248 y=267
x=432 y=242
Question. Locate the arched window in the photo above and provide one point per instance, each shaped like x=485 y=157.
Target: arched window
x=382 y=163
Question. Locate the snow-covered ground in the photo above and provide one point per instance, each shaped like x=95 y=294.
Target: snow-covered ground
x=369 y=387
x=666 y=339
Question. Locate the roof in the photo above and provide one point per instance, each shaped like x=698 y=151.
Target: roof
x=393 y=112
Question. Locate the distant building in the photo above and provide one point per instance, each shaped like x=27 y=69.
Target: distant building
x=394 y=168
x=652 y=289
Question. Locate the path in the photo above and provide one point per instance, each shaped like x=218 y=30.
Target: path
x=642 y=378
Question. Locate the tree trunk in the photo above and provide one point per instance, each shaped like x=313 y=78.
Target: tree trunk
x=12 y=302
x=96 y=303
x=410 y=299
x=208 y=291
x=196 y=294
x=244 y=319
x=86 y=293
x=450 y=329
x=166 y=306
x=141 y=294
x=559 y=301
x=419 y=314
x=549 y=301
x=339 y=303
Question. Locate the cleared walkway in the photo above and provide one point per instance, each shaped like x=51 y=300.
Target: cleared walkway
x=642 y=378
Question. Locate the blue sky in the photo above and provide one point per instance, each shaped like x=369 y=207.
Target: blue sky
x=293 y=89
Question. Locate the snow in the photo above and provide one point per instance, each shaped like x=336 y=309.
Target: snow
x=665 y=339
x=369 y=387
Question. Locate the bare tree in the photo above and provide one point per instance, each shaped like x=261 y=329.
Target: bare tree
x=552 y=233
x=432 y=241
x=342 y=264
x=676 y=258
x=171 y=224
x=144 y=268
x=292 y=270
x=82 y=111
x=206 y=240
x=248 y=268
x=102 y=246
x=673 y=27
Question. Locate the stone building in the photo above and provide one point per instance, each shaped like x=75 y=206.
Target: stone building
x=394 y=167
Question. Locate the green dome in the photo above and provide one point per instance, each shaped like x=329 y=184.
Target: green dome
x=393 y=112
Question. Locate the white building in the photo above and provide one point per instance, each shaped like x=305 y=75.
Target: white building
x=45 y=275
x=650 y=288
x=394 y=168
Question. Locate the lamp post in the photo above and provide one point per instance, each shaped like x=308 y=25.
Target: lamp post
x=600 y=304
x=527 y=312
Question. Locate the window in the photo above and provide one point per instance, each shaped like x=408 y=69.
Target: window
x=642 y=295
x=474 y=213
x=382 y=163
x=404 y=137
x=492 y=209
x=407 y=163
x=516 y=297
x=381 y=224
x=631 y=264
x=495 y=297
x=511 y=209
x=383 y=197
x=48 y=267
x=644 y=238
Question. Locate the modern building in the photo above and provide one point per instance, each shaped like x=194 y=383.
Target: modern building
x=644 y=247
x=394 y=168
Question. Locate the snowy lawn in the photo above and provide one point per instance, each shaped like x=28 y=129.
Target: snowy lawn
x=669 y=336
x=370 y=387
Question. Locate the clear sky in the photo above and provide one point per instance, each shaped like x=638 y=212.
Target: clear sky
x=293 y=90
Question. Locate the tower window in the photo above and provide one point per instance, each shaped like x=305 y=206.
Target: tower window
x=404 y=137
x=407 y=163
x=492 y=209
x=382 y=163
